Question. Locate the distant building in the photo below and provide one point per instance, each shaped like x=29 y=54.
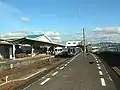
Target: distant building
x=7 y=50
x=73 y=43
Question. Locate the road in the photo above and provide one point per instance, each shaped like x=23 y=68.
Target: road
x=80 y=73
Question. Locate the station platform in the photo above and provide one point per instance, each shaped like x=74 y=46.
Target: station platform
x=82 y=72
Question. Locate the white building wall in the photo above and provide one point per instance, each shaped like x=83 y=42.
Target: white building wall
x=73 y=43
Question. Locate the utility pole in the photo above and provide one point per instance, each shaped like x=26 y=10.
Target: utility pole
x=84 y=41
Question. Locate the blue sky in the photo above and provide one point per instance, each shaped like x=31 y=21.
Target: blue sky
x=58 y=15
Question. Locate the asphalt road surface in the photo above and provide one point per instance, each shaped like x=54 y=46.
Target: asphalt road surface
x=80 y=73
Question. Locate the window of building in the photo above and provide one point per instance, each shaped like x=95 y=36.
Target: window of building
x=68 y=43
x=55 y=49
x=74 y=42
x=60 y=49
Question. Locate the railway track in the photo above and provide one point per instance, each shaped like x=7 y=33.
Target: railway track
x=116 y=70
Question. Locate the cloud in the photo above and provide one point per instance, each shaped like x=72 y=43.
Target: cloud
x=13 y=35
x=54 y=36
x=25 y=19
x=107 y=30
x=107 y=34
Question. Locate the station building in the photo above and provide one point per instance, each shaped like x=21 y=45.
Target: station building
x=30 y=45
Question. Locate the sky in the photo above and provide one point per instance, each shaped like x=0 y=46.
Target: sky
x=67 y=17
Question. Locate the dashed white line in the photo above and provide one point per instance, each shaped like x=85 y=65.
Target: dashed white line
x=97 y=61
x=57 y=68
x=99 y=67
x=61 y=68
x=65 y=64
x=68 y=62
x=54 y=73
x=46 y=80
x=98 y=64
x=103 y=82
x=100 y=72
x=43 y=77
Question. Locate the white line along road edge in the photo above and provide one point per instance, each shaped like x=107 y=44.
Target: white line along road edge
x=98 y=64
x=99 y=67
x=45 y=81
x=74 y=57
x=100 y=72
x=103 y=82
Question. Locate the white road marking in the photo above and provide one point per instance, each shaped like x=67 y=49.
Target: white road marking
x=43 y=77
x=54 y=73
x=65 y=64
x=93 y=55
x=57 y=68
x=95 y=58
x=98 y=64
x=100 y=72
x=97 y=61
x=68 y=62
x=103 y=82
x=74 y=57
x=61 y=68
x=46 y=80
x=99 y=67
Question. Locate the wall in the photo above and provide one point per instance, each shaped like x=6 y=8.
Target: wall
x=4 y=50
x=73 y=43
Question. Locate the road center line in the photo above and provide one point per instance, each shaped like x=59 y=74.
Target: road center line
x=103 y=82
x=61 y=68
x=54 y=73
x=100 y=72
x=45 y=81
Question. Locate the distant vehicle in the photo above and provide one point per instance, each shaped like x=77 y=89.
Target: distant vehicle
x=95 y=49
x=73 y=51
x=58 y=50
x=66 y=52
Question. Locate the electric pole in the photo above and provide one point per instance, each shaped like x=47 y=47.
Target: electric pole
x=84 y=41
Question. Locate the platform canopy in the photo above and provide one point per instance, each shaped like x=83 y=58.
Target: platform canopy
x=37 y=40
